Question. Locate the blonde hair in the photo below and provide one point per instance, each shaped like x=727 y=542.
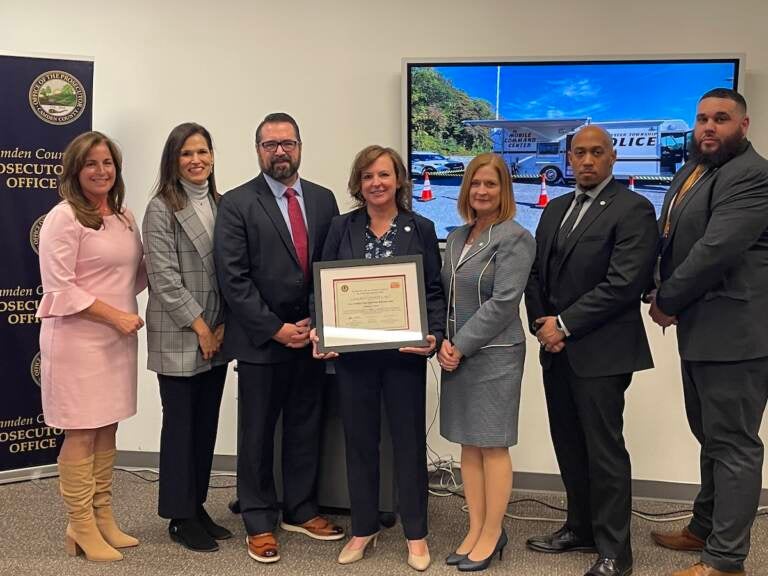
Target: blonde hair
x=507 y=206
x=75 y=156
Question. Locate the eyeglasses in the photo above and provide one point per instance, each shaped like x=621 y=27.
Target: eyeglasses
x=286 y=145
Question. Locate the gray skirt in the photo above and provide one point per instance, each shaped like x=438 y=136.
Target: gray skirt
x=480 y=400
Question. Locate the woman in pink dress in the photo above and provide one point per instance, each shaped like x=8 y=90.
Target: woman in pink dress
x=91 y=269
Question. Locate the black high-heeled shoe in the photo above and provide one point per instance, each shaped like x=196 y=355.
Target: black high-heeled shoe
x=454 y=558
x=468 y=565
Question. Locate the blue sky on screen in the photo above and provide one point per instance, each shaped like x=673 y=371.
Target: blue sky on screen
x=604 y=92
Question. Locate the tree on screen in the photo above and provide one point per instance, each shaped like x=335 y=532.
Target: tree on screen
x=437 y=112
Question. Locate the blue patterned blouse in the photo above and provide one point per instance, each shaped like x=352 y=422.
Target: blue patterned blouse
x=380 y=247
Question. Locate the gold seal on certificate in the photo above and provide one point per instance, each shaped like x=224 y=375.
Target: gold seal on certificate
x=370 y=304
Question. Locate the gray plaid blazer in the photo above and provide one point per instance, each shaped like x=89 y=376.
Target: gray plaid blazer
x=182 y=286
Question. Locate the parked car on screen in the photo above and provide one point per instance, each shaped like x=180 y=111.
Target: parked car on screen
x=432 y=162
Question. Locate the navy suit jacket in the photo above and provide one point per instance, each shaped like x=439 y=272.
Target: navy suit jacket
x=259 y=273
x=415 y=235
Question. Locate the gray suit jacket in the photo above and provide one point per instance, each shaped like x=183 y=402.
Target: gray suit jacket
x=182 y=286
x=484 y=289
x=714 y=264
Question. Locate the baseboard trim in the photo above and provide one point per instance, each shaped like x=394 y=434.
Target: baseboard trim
x=33 y=473
x=649 y=489
x=533 y=481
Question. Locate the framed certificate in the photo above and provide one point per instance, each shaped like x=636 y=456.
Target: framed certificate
x=370 y=304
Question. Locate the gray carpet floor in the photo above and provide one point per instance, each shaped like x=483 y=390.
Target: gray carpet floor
x=33 y=521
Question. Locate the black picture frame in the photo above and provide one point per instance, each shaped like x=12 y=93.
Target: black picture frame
x=412 y=268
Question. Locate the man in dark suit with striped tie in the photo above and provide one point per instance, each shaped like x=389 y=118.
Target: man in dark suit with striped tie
x=268 y=232
x=712 y=282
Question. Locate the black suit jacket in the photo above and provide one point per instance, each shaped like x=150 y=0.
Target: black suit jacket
x=714 y=264
x=415 y=235
x=259 y=273
x=596 y=289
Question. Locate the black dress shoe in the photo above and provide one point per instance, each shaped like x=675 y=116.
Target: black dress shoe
x=189 y=532
x=215 y=531
x=609 y=567
x=564 y=540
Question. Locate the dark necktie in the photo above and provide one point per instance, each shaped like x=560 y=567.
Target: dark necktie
x=298 y=230
x=567 y=227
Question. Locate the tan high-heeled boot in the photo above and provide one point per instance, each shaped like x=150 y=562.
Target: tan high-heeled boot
x=76 y=486
x=102 y=502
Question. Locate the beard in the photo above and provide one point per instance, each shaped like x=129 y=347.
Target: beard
x=729 y=148
x=281 y=167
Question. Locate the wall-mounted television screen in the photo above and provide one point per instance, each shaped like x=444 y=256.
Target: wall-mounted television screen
x=528 y=112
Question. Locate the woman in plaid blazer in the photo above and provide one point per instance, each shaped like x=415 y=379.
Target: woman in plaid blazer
x=185 y=330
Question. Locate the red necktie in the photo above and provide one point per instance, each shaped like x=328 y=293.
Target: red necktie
x=298 y=230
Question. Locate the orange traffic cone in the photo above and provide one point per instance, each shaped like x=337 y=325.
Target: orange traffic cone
x=426 y=189
x=632 y=183
x=543 y=198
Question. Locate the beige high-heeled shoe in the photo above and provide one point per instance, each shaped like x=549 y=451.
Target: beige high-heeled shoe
x=348 y=556
x=419 y=563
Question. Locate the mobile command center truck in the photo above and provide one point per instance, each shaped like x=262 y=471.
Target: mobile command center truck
x=650 y=149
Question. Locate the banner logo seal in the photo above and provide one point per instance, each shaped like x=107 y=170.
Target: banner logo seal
x=57 y=97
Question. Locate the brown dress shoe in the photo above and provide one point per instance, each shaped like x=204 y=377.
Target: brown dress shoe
x=701 y=569
x=263 y=547
x=318 y=528
x=680 y=540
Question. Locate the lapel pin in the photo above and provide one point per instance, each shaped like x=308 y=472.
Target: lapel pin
x=407 y=228
x=602 y=202
x=482 y=244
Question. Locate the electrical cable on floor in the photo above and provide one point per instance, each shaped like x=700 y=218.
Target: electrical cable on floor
x=445 y=465
x=139 y=473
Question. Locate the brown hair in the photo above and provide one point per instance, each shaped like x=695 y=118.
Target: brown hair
x=507 y=207
x=275 y=118
x=168 y=186
x=368 y=156
x=69 y=184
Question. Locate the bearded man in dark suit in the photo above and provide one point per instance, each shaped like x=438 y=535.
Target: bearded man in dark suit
x=268 y=232
x=712 y=280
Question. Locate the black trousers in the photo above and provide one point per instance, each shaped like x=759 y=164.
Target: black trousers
x=190 y=421
x=294 y=389
x=725 y=402
x=365 y=378
x=586 y=420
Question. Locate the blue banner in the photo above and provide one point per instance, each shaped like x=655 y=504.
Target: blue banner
x=46 y=102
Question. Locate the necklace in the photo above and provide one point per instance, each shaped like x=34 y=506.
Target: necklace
x=475 y=233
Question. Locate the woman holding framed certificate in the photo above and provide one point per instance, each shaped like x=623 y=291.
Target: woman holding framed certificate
x=383 y=226
x=487 y=263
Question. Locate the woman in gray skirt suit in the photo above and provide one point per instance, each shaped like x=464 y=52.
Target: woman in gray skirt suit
x=486 y=267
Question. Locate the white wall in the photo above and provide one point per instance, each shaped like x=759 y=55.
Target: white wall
x=335 y=66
